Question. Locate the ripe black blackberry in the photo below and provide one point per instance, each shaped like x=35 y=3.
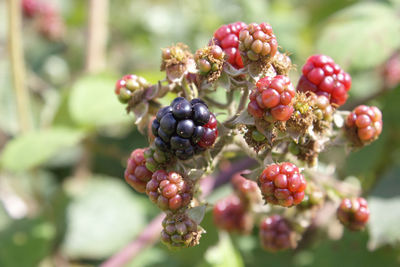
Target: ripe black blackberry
x=184 y=128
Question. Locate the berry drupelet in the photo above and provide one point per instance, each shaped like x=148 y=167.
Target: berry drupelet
x=169 y=190
x=184 y=128
x=322 y=76
x=353 y=213
x=366 y=122
x=128 y=85
x=179 y=231
x=272 y=97
x=136 y=173
x=230 y=215
x=276 y=234
x=257 y=41
x=282 y=184
x=227 y=37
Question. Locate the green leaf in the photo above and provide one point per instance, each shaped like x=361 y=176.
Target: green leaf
x=34 y=148
x=93 y=102
x=361 y=36
x=224 y=253
x=385 y=214
x=26 y=242
x=197 y=213
x=104 y=215
x=384 y=221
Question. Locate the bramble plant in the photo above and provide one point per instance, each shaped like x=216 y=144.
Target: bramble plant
x=265 y=117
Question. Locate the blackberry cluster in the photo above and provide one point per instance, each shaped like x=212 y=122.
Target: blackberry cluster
x=169 y=191
x=258 y=41
x=322 y=76
x=128 y=85
x=276 y=234
x=227 y=37
x=136 y=173
x=179 y=231
x=272 y=99
x=282 y=184
x=184 y=128
x=230 y=214
x=365 y=123
x=353 y=213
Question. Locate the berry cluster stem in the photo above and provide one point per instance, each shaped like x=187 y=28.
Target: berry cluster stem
x=18 y=64
x=98 y=36
x=242 y=105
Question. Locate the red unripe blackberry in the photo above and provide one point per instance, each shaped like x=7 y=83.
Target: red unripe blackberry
x=179 y=231
x=322 y=76
x=366 y=122
x=136 y=173
x=353 y=213
x=273 y=96
x=276 y=234
x=246 y=189
x=169 y=190
x=258 y=41
x=282 y=184
x=227 y=37
x=230 y=215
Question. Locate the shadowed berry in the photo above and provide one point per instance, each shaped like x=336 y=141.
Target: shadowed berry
x=30 y=8
x=322 y=76
x=282 y=184
x=230 y=215
x=276 y=234
x=246 y=189
x=136 y=173
x=353 y=213
x=179 y=231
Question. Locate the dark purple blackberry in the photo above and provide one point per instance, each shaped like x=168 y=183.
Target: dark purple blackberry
x=184 y=128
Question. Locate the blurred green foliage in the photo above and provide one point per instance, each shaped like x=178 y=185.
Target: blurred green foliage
x=48 y=216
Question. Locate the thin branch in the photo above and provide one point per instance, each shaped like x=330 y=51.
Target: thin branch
x=97 y=36
x=368 y=98
x=151 y=233
x=241 y=107
x=18 y=64
x=229 y=98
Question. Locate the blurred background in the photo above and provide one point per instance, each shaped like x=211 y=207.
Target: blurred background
x=63 y=200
